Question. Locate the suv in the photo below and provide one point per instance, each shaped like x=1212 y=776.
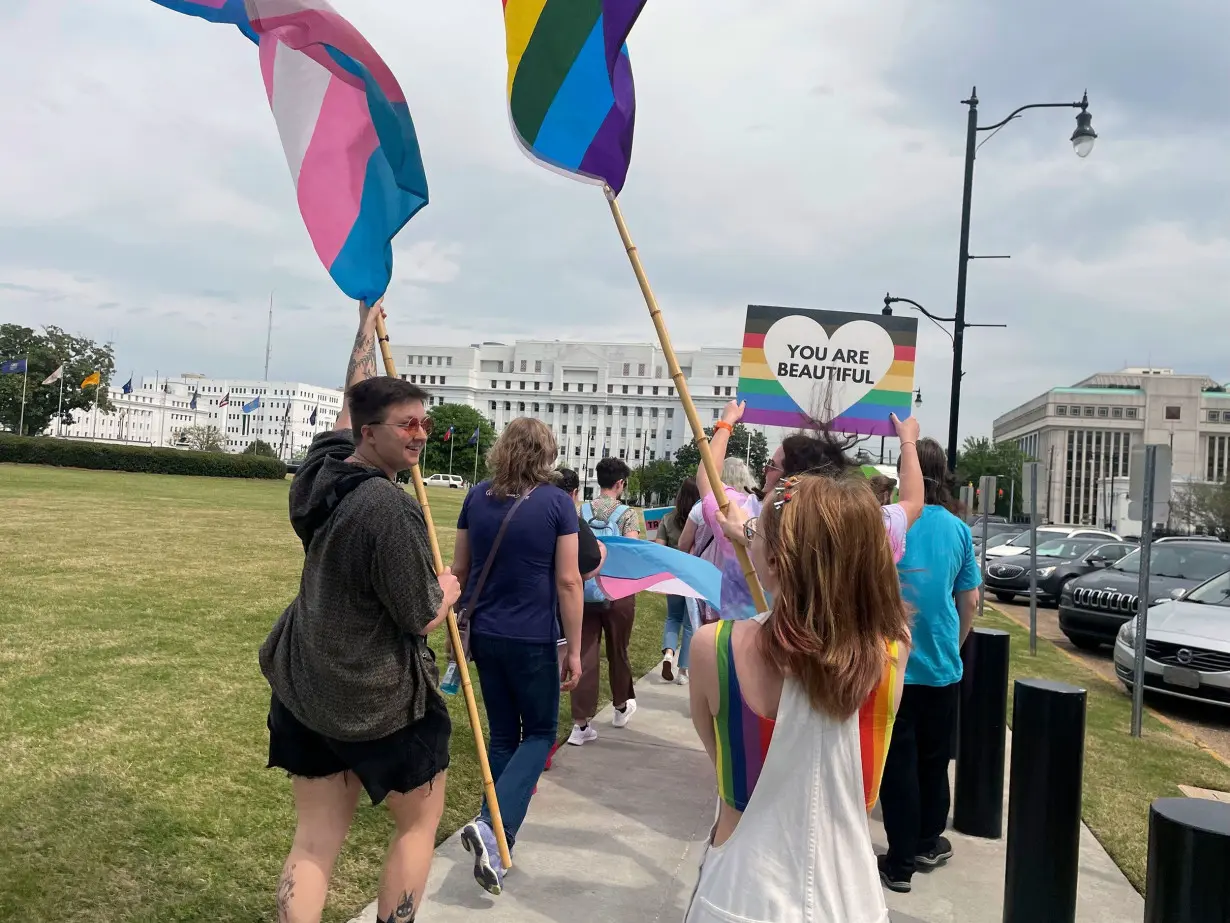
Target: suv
x=1092 y=608
x=455 y=481
x=1020 y=544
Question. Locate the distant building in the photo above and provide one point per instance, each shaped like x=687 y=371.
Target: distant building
x=612 y=398
x=1084 y=436
x=158 y=411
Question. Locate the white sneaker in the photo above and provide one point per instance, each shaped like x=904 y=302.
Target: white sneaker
x=623 y=717
x=682 y=679
x=668 y=666
x=582 y=735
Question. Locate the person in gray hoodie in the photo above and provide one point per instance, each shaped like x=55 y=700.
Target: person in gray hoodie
x=355 y=702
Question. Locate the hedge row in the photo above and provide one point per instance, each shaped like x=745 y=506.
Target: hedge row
x=68 y=453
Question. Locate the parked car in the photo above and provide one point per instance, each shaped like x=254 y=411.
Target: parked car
x=992 y=522
x=1187 y=645
x=1020 y=544
x=1093 y=608
x=1058 y=561
x=997 y=535
x=1187 y=538
x=455 y=481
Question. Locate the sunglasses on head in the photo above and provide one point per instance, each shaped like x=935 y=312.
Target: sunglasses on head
x=426 y=425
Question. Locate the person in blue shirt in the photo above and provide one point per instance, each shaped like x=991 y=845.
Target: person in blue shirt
x=939 y=581
x=532 y=596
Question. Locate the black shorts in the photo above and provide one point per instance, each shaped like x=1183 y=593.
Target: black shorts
x=401 y=762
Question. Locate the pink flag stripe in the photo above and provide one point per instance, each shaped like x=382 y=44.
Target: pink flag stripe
x=620 y=587
x=303 y=23
x=212 y=4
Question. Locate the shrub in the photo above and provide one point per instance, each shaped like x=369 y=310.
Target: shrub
x=68 y=453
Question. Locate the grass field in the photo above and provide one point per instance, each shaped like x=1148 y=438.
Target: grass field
x=133 y=741
x=1122 y=776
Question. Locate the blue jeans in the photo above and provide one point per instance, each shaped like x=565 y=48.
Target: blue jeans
x=520 y=683
x=677 y=623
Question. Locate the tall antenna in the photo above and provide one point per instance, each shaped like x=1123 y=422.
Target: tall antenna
x=269 y=337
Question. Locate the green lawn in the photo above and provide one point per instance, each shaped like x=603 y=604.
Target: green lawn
x=1123 y=776
x=132 y=738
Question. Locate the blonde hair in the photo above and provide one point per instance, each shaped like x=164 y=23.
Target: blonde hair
x=736 y=474
x=839 y=600
x=523 y=457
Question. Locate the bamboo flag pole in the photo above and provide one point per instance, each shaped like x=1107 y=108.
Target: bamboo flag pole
x=685 y=396
x=454 y=634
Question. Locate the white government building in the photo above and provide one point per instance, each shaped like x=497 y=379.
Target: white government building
x=1083 y=436
x=159 y=409
x=596 y=397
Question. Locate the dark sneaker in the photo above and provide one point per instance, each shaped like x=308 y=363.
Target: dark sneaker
x=479 y=839
x=892 y=879
x=940 y=853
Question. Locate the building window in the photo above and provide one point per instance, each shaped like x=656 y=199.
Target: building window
x=537 y=365
x=593 y=408
x=654 y=412
x=1214 y=416
x=578 y=431
x=610 y=389
x=670 y=392
x=637 y=454
x=429 y=358
x=610 y=410
x=717 y=392
x=623 y=433
x=1103 y=411
x=625 y=389
x=640 y=411
x=521 y=406
x=1075 y=411
x=608 y=431
x=508 y=386
x=535 y=407
x=728 y=392
x=640 y=370
x=623 y=411
x=668 y=435
x=640 y=389
x=1088 y=411
x=1172 y=412
x=495 y=384
x=523 y=365
x=508 y=405
x=499 y=366
x=655 y=390
x=715 y=414
x=721 y=370
x=521 y=385
x=730 y=370
x=565 y=386
x=537 y=385
x=550 y=408
x=449 y=361
x=622 y=453
x=1117 y=412
x=627 y=368
x=1061 y=411
x=441 y=379
x=1130 y=413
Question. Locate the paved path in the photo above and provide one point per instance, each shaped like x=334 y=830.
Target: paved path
x=615 y=835
x=1207 y=725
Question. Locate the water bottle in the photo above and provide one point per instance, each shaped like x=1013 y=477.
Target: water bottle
x=452 y=680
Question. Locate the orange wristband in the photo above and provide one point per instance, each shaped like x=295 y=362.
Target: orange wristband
x=722 y=424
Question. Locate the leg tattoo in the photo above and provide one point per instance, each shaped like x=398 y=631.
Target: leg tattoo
x=405 y=909
x=286 y=893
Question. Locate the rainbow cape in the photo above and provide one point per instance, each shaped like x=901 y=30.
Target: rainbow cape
x=636 y=566
x=875 y=726
x=570 y=93
x=345 y=128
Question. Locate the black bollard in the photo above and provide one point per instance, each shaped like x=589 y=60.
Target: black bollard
x=978 y=802
x=1044 y=802
x=1189 y=857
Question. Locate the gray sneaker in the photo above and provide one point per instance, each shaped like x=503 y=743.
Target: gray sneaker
x=479 y=839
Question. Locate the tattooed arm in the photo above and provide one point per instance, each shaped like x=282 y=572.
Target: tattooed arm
x=362 y=365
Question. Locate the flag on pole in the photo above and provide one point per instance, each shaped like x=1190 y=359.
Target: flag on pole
x=634 y=566
x=192 y=403
x=13 y=367
x=226 y=400
x=252 y=405
x=571 y=99
x=312 y=418
x=55 y=376
x=448 y=434
x=127 y=389
x=474 y=438
x=345 y=127
x=94 y=378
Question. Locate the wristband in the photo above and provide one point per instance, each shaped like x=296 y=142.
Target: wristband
x=722 y=424
x=910 y=442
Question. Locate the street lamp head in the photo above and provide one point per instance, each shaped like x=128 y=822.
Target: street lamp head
x=918 y=398
x=1084 y=136
x=887 y=310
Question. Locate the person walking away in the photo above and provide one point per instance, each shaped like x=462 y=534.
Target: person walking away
x=939 y=580
x=677 y=632
x=355 y=704
x=776 y=702
x=607 y=514
x=517 y=556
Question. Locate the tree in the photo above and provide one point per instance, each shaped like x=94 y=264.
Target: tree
x=47 y=351
x=204 y=438
x=658 y=478
x=1203 y=507
x=463 y=419
x=260 y=447
x=687 y=458
x=981 y=456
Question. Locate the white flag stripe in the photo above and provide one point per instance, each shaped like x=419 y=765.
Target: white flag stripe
x=54 y=376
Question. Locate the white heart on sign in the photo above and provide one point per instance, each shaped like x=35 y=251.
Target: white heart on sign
x=817 y=393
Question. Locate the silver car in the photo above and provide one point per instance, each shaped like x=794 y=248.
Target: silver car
x=1187 y=648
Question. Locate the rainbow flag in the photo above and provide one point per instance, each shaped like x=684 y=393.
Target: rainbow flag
x=570 y=93
x=770 y=402
x=345 y=127
x=875 y=727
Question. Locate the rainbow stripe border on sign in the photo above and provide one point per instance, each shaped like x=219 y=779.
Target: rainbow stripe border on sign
x=768 y=404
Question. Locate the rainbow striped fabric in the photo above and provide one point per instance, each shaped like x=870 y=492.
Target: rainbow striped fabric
x=570 y=93
x=875 y=726
x=743 y=737
x=345 y=128
x=769 y=403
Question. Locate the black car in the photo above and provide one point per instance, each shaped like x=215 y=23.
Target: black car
x=1059 y=560
x=1093 y=607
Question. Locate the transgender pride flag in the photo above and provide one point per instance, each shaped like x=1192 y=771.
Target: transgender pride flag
x=345 y=127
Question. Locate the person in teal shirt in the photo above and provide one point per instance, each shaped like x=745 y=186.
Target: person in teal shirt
x=939 y=580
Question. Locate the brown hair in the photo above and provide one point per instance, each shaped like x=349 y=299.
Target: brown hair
x=939 y=484
x=883 y=486
x=687 y=498
x=838 y=600
x=371 y=399
x=523 y=457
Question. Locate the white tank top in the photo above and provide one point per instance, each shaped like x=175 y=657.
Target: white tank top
x=801 y=852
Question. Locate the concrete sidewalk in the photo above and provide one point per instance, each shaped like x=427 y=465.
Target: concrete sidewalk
x=617 y=828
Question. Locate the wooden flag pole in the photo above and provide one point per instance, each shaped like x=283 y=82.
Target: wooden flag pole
x=681 y=384
x=493 y=804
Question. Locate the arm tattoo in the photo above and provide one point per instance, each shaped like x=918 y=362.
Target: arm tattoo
x=362 y=359
x=286 y=893
x=405 y=909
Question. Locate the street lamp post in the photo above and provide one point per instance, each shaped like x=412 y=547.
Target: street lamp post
x=1082 y=142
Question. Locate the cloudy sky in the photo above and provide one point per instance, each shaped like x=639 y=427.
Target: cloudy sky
x=787 y=152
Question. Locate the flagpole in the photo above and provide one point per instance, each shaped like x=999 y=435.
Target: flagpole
x=497 y=821
x=478 y=445
x=452 y=444
x=60 y=409
x=21 y=422
x=97 y=389
x=685 y=396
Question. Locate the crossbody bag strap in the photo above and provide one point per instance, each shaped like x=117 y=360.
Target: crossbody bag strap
x=495 y=546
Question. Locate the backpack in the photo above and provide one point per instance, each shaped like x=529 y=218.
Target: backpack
x=607 y=526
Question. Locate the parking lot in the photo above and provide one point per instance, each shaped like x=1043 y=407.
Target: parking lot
x=1208 y=724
